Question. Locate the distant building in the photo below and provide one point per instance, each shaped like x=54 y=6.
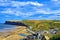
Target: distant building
x=53 y=31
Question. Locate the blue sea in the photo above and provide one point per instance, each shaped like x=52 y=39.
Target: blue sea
x=6 y=27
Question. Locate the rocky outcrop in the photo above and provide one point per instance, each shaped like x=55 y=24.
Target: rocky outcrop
x=15 y=23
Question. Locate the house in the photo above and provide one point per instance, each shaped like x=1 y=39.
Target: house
x=53 y=31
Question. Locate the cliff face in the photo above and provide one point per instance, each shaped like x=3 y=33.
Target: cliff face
x=15 y=23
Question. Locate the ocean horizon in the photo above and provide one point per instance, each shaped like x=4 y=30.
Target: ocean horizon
x=6 y=27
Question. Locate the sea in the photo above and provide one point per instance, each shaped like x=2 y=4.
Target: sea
x=6 y=27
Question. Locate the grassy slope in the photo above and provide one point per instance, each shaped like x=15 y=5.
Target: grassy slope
x=42 y=24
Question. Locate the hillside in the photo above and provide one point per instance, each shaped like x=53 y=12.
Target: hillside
x=36 y=25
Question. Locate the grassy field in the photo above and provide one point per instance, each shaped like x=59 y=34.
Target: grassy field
x=36 y=25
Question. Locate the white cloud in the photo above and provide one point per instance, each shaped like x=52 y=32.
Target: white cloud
x=47 y=11
x=35 y=3
x=4 y=0
x=56 y=12
x=15 y=3
x=55 y=17
x=42 y=11
x=18 y=11
x=56 y=2
x=8 y=11
x=4 y=4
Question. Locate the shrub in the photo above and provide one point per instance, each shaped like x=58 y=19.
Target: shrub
x=55 y=37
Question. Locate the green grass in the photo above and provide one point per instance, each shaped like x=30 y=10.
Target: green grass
x=42 y=24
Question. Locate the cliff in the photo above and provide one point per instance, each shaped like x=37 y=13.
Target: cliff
x=18 y=23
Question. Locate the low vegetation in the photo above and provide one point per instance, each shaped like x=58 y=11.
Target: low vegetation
x=55 y=37
x=36 y=25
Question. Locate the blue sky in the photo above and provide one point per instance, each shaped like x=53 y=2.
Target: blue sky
x=29 y=10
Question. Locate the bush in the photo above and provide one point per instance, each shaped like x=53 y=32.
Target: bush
x=55 y=37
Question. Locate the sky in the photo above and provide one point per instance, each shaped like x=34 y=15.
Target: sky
x=29 y=10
